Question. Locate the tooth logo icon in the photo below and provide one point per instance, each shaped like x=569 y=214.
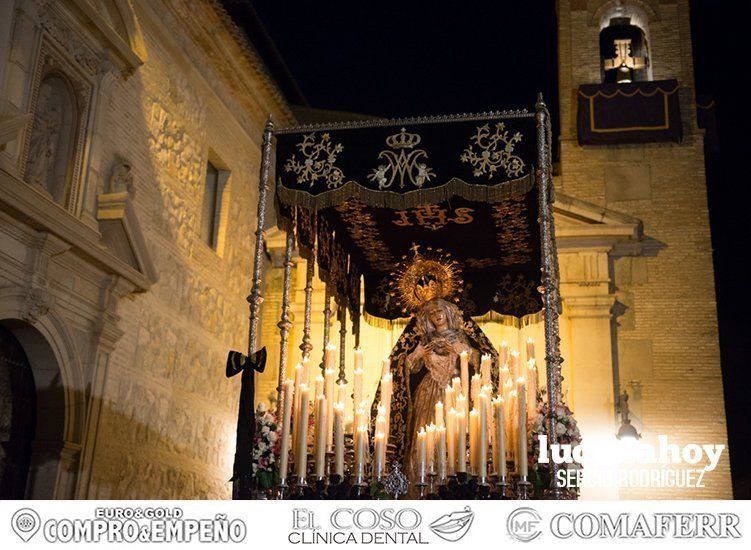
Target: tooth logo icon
x=452 y=527
x=25 y=523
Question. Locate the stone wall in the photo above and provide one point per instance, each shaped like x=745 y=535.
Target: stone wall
x=169 y=420
x=151 y=413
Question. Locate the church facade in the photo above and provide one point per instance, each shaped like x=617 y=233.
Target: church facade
x=129 y=160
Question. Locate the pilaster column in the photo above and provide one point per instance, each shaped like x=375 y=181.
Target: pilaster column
x=588 y=304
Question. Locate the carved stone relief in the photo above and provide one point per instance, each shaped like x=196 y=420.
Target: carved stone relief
x=54 y=145
x=173 y=148
x=121 y=178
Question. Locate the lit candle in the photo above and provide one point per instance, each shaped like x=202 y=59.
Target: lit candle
x=328 y=376
x=482 y=437
x=474 y=424
x=301 y=454
x=521 y=392
x=512 y=424
x=387 y=390
x=503 y=377
x=341 y=392
x=456 y=385
x=461 y=442
x=503 y=354
x=485 y=363
x=430 y=447
x=339 y=438
x=451 y=440
x=464 y=370
x=461 y=405
x=530 y=349
x=382 y=426
x=531 y=387
x=287 y=396
x=296 y=404
x=329 y=357
x=448 y=396
x=358 y=358
x=378 y=452
x=320 y=449
x=359 y=422
x=499 y=445
x=441 y=451
x=515 y=364
x=319 y=386
x=361 y=443
x=306 y=371
x=422 y=452
x=475 y=383
x=357 y=382
x=439 y=421
x=385 y=366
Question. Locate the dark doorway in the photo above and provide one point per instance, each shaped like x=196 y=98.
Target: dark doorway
x=17 y=416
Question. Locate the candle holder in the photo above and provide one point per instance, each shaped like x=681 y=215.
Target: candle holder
x=301 y=490
x=523 y=488
x=504 y=488
x=359 y=491
x=483 y=491
x=319 y=489
x=431 y=482
x=282 y=489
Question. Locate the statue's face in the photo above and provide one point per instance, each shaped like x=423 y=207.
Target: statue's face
x=437 y=316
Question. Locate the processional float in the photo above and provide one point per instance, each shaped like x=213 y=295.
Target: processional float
x=360 y=201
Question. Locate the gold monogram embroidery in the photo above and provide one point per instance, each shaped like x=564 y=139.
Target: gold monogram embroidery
x=433 y=217
x=400 y=163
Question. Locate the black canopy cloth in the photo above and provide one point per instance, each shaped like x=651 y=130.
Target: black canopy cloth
x=363 y=196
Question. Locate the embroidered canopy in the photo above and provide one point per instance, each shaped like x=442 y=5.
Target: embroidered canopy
x=361 y=196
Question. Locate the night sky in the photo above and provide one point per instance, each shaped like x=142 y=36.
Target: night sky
x=405 y=59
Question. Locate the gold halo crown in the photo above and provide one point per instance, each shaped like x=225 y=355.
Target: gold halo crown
x=425 y=275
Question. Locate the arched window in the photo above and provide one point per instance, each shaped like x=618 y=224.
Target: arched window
x=624 y=47
x=53 y=137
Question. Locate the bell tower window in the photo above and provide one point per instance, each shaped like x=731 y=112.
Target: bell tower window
x=624 y=52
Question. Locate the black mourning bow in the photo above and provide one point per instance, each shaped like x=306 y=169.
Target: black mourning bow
x=242 y=471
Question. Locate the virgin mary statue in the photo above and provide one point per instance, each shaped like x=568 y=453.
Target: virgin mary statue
x=426 y=355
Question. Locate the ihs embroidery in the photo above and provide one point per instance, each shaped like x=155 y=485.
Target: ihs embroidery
x=433 y=217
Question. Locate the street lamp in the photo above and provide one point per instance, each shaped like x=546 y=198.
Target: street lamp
x=626 y=432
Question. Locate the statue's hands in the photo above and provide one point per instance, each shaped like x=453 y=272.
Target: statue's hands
x=440 y=346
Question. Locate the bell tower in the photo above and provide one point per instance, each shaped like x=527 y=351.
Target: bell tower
x=630 y=144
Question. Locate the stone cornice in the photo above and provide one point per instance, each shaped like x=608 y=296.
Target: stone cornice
x=33 y=208
x=584 y=225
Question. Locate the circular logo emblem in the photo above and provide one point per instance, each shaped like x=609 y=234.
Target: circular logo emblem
x=523 y=524
x=25 y=523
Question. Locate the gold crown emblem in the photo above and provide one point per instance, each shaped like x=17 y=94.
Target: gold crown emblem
x=424 y=276
x=403 y=140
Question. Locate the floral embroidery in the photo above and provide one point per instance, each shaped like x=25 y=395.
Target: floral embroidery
x=318 y=162
x=494 y=151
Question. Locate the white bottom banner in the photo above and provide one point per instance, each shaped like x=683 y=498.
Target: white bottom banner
x=441 y=524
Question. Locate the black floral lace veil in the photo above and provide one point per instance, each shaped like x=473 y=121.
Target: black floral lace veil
x=404 y=384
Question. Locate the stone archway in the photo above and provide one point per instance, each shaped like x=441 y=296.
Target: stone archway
x=35 y=444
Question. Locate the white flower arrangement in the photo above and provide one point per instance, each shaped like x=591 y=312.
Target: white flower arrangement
x=265 y=447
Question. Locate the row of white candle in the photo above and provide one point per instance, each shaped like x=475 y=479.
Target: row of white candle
x=442 y=445
x=329 y=405
x=454 y=421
